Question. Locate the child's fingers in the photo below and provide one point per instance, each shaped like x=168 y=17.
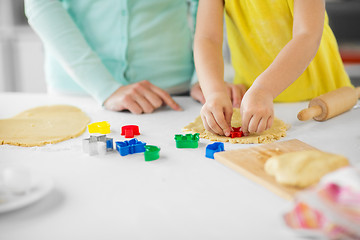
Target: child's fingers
x=236 y=96
x=245 y=123
x=242 y=90
x=210 y=122
x=222 y=123
x=229 y=89
x=217 y=122
x=262 y=125
x=228 y=115
x=206 y=125
x=204 y=120
x=269 y=122
x=253 y=124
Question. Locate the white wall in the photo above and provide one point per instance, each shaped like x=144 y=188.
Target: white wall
x=29 y=61
x=21 y=53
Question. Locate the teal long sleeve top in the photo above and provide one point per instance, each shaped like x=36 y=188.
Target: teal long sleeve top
x=95 y=46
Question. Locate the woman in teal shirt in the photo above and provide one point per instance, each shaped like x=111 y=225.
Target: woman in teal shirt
x=127 y=54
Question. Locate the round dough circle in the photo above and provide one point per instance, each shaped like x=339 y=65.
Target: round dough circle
x=43 y=125
x=277 y=131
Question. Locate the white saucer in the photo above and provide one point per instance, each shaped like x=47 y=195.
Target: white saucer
x=42 y=188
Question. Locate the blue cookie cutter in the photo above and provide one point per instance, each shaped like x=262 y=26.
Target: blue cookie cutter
x=130 y=147
x=211 y=149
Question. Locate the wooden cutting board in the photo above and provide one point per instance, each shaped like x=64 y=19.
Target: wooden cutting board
x=250 y=163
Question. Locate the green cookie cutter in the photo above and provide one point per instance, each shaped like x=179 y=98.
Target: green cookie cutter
x=187 y=141
x=151 y=153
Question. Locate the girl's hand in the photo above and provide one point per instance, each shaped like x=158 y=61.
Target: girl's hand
x=216 y=113
x=257 y=111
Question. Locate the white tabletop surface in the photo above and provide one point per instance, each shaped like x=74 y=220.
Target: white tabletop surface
x=183 y=195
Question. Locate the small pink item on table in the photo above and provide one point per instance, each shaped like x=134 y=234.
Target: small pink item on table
x=331 y=209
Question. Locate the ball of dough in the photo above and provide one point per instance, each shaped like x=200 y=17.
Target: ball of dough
x=303 y=168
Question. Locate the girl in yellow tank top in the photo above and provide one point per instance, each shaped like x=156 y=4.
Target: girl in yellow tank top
x=282 y=50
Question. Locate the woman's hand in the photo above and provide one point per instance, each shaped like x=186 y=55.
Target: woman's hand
x=141 y=97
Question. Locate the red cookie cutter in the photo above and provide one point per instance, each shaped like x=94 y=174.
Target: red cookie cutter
x=236 y=132
x=130 y=131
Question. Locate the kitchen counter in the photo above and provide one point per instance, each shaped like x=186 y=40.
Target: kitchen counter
x=183 y=195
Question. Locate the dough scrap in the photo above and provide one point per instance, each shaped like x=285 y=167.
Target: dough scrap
x=303 y=168
x=277 y=131
x=43 y=125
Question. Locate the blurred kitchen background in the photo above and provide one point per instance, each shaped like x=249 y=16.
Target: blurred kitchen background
x=21 y=52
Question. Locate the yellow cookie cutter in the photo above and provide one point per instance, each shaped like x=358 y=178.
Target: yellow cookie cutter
x=99 y=127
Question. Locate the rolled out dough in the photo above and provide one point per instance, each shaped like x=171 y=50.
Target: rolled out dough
x=303 y=168
x=277 y=131
x=43 y=125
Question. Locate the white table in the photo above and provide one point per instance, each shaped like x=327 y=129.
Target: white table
x=183 y=195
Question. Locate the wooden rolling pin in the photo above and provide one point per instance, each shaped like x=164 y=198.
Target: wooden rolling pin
x=330 y=104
